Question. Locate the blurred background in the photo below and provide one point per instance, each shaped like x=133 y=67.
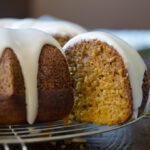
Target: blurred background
x=114 y=14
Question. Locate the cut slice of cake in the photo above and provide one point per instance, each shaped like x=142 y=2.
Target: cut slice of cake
x=109 y=77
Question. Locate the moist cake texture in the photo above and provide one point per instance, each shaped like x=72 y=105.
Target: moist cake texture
x=101 y=80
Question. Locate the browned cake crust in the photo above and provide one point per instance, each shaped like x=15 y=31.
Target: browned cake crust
x=54 y=88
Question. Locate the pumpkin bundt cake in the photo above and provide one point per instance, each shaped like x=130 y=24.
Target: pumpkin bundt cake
x=109 y=78
x=34 y=85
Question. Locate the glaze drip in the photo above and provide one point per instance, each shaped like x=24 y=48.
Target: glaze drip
x=27 y=45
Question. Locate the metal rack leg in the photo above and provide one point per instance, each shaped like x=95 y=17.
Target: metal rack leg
x=6 y=147
x=24 y=147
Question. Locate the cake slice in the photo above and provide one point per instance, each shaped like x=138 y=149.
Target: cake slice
x=109 y=78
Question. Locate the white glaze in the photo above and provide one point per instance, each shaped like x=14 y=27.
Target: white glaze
x=59 y=27
x=6 y=21
x=20 y=23
x=27 y=44
x=133 y=62
x=52 y=27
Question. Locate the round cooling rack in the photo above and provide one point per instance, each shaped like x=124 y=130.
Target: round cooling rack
x=23 y=134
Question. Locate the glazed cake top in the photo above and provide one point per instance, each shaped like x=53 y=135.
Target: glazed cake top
x=20 y=23
x=133 y=62
x=52 y=27
x=59 y=27
x=6 y=21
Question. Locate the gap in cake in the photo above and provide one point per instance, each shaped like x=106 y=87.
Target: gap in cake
x=62 y=40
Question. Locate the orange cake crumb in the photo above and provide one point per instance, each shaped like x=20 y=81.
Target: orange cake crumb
x=101 y=83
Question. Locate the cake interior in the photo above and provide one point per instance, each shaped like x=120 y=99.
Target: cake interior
x=101 y=84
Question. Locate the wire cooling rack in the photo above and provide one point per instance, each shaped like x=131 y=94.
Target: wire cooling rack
x=23 y=134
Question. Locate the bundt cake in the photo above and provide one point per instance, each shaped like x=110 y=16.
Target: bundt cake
x=110 y=79
x=35 y=83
